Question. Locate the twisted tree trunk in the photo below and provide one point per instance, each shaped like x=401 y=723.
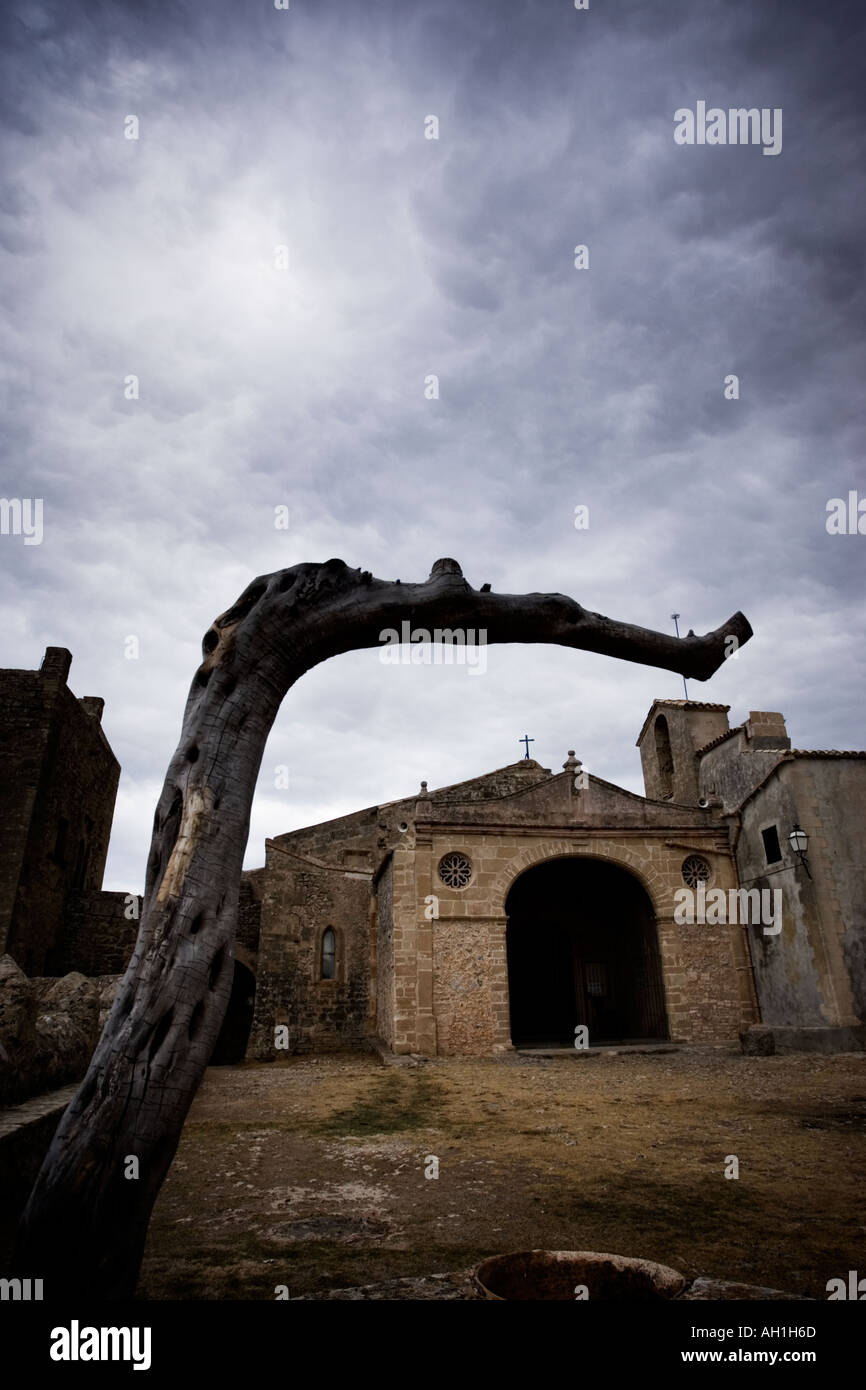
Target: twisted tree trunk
x=85 y=1224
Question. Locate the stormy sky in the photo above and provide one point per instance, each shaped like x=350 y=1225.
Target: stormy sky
x=300 y=378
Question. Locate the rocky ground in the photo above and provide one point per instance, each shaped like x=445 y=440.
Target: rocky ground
x=310 y=1174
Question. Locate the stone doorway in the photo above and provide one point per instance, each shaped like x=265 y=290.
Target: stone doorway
x=582 y=949
x=231 y=1045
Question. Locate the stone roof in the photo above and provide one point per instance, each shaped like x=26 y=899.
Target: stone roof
x=522 y=768
x=693 y=704
x=826 y=753
x=678 y=704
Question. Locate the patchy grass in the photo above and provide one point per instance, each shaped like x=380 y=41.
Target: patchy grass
x=312 y=1174
x=396 y=1102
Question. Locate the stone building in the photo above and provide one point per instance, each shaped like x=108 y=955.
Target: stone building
x=516 y=907
x=511 y=909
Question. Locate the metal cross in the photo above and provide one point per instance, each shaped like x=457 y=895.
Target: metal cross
x=527 y=740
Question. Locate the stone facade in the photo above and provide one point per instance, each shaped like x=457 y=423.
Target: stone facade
x=459 y=962
x=427 y=962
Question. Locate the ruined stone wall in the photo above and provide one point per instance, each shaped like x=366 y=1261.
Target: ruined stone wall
x=61 y=781
x=25 y=710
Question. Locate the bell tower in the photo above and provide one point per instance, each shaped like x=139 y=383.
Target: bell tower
x=672 y=733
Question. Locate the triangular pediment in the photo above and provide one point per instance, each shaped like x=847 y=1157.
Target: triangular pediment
x=547 y=800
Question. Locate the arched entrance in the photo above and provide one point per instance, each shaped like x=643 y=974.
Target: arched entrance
x=231 y=1045
x=582 y=949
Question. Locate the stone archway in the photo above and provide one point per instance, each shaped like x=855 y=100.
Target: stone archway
x=231 y=1044
x=583 y=949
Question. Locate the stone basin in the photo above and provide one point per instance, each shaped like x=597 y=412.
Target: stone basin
x=556 y=1274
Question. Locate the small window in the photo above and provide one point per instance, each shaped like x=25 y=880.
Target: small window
x=596 y=980
x=664 y=759
x=772 y=850
x=329 y=954
x=695 y=870
x=455 y=870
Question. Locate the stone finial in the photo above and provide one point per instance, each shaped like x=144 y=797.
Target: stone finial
x=572 y=764
x=423 y=806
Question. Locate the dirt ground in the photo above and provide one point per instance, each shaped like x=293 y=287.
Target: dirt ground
x=311 y=1173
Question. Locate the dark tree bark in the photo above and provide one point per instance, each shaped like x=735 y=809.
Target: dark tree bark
x=84 y=1227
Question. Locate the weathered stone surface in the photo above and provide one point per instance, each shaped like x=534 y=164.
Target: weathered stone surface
x=66 y=1031
x=555 y=1275
x=707 y=1289
x=449 y=1287
x=460 y=1286
x=758 y=1041
x=57 y=790
x=99 y=933
x=26 y=1131
x=106 y=988
x=18 y=1009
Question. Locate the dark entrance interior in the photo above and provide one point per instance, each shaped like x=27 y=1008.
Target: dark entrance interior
x=231 y=1045
x=582 y=949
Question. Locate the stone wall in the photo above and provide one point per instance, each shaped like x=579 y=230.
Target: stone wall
x=300 y=900
x=250 y=909
x=813 y=974
x=59 y=780
x=731 y=770
x=25 y=705
x=356 y=834
x=99 y=934
x=385 y=955
x=467 y=957
x=26 y=1132
x=831 y=798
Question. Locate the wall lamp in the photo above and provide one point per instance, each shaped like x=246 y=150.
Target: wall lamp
x=799 y=842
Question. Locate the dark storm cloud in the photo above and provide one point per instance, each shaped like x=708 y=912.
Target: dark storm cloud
x=411 y=257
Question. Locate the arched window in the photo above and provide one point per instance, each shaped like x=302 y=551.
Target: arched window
x=329 y=954
x=664 y=758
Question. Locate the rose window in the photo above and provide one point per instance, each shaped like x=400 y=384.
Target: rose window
x=695 y=870
x=455 y=870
